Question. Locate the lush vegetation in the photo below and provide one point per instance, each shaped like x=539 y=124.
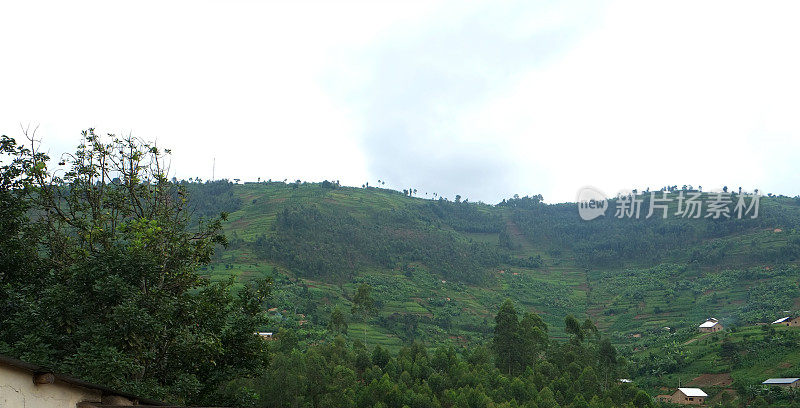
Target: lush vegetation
x=612 y=241
x=99 y=276
x=521 y=367
x=729 y=365
x=438 y=280
x=661 y=276
x=323 y=242
x=120 y=276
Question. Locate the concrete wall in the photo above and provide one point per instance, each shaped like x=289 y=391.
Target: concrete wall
x=18 y=390
x=680 y=398
x=715 y=328
x=795 y=384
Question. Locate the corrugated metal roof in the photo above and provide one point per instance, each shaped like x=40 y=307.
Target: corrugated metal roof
x=709 y=323
x=693 y=392
x=780 y=380
x=781 y=320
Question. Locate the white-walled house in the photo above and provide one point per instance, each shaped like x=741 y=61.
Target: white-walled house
x=711 y=325
x=27 y=385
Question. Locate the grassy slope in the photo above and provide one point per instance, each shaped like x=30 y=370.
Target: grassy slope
x=553 y=291
x=763 y=354
x=608 y=296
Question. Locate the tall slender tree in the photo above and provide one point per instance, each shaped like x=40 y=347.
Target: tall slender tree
x=363 y=304
x=506 y=341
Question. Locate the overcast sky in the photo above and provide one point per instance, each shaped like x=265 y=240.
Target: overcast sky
x=481 y=99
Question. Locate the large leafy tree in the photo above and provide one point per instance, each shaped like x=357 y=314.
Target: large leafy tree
x=573 y=328
x=506 y=341
x=337 y=322
x=110 y=291
x=533 y=339
x=518 y=343
x=18 y=257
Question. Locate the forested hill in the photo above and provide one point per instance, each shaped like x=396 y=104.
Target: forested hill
x=104 y=280
x=438 y=268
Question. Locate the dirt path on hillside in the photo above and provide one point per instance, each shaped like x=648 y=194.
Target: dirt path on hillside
x=697 y=338
x=517 y=236
x=711 y=380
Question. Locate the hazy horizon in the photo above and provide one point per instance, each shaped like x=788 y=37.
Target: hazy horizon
x=475 y=99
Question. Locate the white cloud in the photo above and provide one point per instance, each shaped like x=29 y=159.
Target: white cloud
x=239 y=81
x=479 y=99
x=660 y=96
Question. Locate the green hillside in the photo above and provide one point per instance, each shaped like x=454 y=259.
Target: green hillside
x=435 y=274
x=112 y=281
x=382 y=299
x=727 y=365
x=439 y=269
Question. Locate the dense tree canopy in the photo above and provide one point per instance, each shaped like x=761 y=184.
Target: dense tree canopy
x=337 y=374
x=99 y=274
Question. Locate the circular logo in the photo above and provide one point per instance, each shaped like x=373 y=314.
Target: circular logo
x=592 y=203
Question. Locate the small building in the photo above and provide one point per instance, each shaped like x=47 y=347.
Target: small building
x=783 y=382
x=265 y=335
x=686 y=396
x=788 y=321
x=711 y=325
x=33 y=386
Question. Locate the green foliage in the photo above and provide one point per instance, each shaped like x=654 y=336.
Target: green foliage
x=128 y=244
x=465 y=217
x=335 y=374
x=749 y=355
x=538 y=255
x=211 y=198
x=517 y=344
x=572 y=327
x=318 y=242
x=108 y=290
x=610 y=241
x=362 y=300
x=506 y=341
x=337 y=322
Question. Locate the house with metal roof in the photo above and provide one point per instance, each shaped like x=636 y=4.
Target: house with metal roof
x=692 y=396
x=788 y=321
x=685 y=396
x=783 y=382
x=711 y=325
x=265 y=335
